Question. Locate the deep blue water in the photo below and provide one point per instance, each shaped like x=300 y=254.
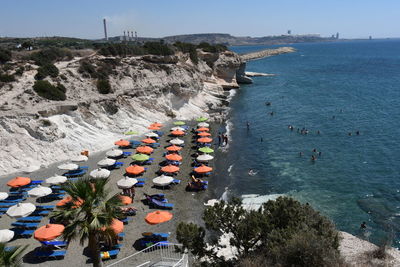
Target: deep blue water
x=357 y=177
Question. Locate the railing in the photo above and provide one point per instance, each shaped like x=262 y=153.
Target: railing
x=157 y=254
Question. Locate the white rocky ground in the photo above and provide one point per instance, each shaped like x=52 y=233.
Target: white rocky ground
x=36 y=132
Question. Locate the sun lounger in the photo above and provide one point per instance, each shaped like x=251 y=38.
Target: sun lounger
x=126 y=220
x=176 y=181
x=73 y=179
x=157 y=236
x=84 y=167
x=55 y=196
x=12 y=200
x=40 y=213
x=141 y=182
x=36 y=182
x=154 y=145
x=160 y=205
x=50 y=254
x=126 y=154
x=48 y=207
x=30 y=219
x=7 y=204
x=23 y=232
x=3 y=209
x=117 y=165
x=105 y=255
x=75 y=173
x=25 y=225
x=55 y=187
x=121 y=235
x=159 y=133
x=55 y=243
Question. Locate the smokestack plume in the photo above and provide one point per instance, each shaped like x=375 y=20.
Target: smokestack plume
x=105 y=29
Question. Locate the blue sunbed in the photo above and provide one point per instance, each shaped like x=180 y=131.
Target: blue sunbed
x=23 y=232
x=48 y=207
x=176 y=181
x=36 y=181
x=75 y=173
x=25 y=225
x=155 y=145
x=160 y=204
x=126 y=154
x=126 y=220
x=40 y=213
x=150 y=235
x=30 y=219
x=121 y=235
x=159 y=133
x=55 y=243
x=12 y=200
x=141 y=182
x=55 y=196
x=7 y=204
x=50 y=254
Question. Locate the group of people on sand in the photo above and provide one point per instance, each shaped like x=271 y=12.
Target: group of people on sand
x=222 y=139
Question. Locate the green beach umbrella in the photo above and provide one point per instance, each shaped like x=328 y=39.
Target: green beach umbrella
x=201 y=119
x=206 y=149
x=130 y=132
x=140 y=157
x=179 y=123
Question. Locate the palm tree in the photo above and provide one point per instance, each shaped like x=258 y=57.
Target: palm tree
x=11 y=257
x=89 y=214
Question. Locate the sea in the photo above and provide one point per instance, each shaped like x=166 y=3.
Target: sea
x=346 y=96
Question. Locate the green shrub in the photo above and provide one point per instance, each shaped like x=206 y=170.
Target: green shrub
x=122 y=50
x=87 y=69
x=20 y=71
x=206 y=47
x=158 y=48
x=5 y=78
x=5 y=55
x=46 y=70
x=49 y=91
x=103 y=86
x=50 y=55
x=188 y=48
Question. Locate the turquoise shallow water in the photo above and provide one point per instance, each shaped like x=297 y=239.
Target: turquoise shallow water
x=356 y=178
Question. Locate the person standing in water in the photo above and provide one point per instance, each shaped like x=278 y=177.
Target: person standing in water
x=248 y=125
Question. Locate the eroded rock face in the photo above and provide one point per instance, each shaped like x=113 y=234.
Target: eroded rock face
x=144 y=90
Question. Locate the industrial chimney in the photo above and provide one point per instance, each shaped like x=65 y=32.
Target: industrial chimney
x=105 y=29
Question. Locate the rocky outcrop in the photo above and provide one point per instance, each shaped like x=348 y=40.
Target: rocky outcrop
x=144 y=89
x=267 y=53
x=241 y=76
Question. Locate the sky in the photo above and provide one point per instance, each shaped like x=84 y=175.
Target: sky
x=158 y=18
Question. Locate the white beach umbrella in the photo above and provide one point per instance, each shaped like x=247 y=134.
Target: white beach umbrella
x=21 y=210
x=3 y=195
x=177 y=128
x=68 y=166
x=114 y=153
x=177 y=141
x=6 y=235
x=40 y=191
x=203 y=124
x=79 y=158
x=204 y=157
x=163 y=180
x=56 y=179
x=151 y=134
x=126 y=182
x=106 y=162
x=100 y=173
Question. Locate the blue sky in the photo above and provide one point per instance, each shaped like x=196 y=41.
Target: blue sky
x=157 y=18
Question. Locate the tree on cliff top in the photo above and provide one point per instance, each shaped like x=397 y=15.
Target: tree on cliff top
x=282 y=232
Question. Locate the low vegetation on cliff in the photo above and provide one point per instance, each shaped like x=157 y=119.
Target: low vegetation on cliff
x=49 y=91
x=281 y=233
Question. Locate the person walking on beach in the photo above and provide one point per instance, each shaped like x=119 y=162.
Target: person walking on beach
x=300 y=154
x=226 y=139
x=313 y=158
x=219 y=138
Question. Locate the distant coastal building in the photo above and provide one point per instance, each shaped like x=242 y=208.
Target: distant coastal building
x=337 y=35
x=370 y=37
x=289 y=32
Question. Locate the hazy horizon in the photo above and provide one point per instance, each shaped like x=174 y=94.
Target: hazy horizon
x=256 y=18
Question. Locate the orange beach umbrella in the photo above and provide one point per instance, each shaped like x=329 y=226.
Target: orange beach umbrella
x=116 y=225
x=153 y=127
x=68 y=199
x=48 y=232
x=174 y=148
x=174 y=157
x=122 y=143
x=134 y=169
x=144 y=150
x=158 y=217
x=125 y=200
x=203 y=169
x=178 y=133
x=148 y=141
x=156 y=124
x=204 y=134
x=204 y=140
x=203 y=129
x=19 y=181
x=170 y=169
